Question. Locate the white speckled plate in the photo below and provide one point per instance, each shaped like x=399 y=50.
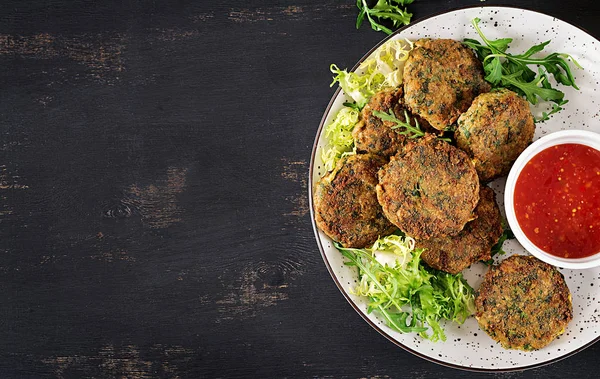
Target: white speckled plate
x=467 y=346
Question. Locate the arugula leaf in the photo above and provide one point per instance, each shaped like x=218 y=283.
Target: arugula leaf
x=497 y=248
x=535 y=49
x=497 y=46
x=512 y=71
x=361 y=14
x=481 y=50
x=383 y=10
x=409 y=130
x=556 y=107
x=494 y=71
x=532 y=90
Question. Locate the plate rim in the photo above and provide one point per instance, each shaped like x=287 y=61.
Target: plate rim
x=316 y=230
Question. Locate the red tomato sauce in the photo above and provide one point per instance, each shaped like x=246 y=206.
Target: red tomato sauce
x=557 y=200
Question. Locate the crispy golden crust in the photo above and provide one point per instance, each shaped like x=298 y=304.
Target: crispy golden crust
x=429 y=189
x=474 y=243
x=441 y=79
x=494 y=131
x=523 y=303
x=345 y=202
x=372 y=135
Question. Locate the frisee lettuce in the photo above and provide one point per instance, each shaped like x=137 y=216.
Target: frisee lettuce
x=408 y=295
x=339 y=135
x=382 y=69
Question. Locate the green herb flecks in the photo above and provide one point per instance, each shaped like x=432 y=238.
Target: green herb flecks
x=512 y=71
x=383 y=10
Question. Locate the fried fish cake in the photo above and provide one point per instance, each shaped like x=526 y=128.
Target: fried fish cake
x=345 y=202
x=429 y=189
x=474 y=243
x=375 y=136
x=496 y=128
x=441 y=79
x=523 y=303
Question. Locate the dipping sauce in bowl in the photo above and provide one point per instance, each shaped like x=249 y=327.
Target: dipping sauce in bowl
x=552 y=199
x=557 y=200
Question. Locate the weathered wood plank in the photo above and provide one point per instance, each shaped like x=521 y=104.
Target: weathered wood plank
x=154 y=216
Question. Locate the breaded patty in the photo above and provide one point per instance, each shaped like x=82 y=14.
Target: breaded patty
x=345 y=202
x=496 y=128
x=429 y=189
x=441 y=79
x=372 y=135
x=474 y=243
x=523 y=303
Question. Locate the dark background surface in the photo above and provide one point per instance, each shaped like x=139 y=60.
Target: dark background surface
x=154 y=216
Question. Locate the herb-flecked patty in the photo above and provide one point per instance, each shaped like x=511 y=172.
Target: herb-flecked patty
x=441 y=79
x=345 y=202
x=523 y=303
x=429 y=189
x=373 y=135
x=474 y=243
x=494 y=131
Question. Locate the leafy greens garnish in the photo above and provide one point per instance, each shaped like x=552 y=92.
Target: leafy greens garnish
x=512 y=71
x=339 y=134
x=381 y=70
x=383 y=10
x=408 y=295
x=497 y=249
x=409 y=130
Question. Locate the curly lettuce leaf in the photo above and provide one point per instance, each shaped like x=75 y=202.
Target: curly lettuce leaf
x=408 y=295
x=382 y=69
x=339 y=135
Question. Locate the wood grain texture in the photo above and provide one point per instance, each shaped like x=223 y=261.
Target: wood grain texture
x=154 y=217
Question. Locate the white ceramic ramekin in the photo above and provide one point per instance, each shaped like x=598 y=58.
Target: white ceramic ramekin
x=559 y=138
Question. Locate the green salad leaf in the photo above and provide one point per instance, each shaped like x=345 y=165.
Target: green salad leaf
x=383 y=10
x=381 y=70
x=497 y=249
x=409 y=130
x=339 y=134
x=411 y=297
x=358 y=87
x=513 y=71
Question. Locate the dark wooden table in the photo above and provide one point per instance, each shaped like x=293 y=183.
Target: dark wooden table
x=154 y=215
